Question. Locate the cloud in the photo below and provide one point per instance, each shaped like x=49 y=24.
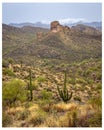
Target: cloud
x=71 y=20
x=66 y=21
x=45 y=22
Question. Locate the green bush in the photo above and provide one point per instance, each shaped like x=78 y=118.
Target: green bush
x=41 y=79
x=96 y=102
x=72 y=81
x=8 y=72
x=10 y=60
x=99 y=86
x=46 y=95
x=14 y=90
x=46 y=98
x=99 y=76
x=5 y=63
x=81 y=80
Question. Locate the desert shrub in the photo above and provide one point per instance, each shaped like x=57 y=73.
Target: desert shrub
x=89 y=81
x=46 y=95
x=24 y=114
x=5 y=63
x=8 y=72
x=72 y=81
x=80 y=80
x=87 y=72
x=79 y=71
x=98 y=75
x=77 y=98
x=83 y=120
x=96 y=120
x=99 y=86
x=14 y=90
x=41 y=79
x=35 y=85
x=38 y=117
x=96 y=102
x=28 y=104
x=10 y=60
x=46 y=99
x=6 y=120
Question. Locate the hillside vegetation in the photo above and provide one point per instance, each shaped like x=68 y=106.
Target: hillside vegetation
x=54 y=81
x=47 y=108
x=22 y=44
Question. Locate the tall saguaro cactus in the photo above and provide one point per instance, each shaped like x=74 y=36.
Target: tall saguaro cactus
x=30 y=86
x=64 y=92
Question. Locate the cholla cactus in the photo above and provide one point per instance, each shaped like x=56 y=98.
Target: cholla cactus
x=64 y=93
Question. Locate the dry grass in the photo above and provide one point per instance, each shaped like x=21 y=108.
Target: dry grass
x=83 y=110
x=60 y=115
x=51 y=121
x=14 y=110
x=37 y=117
x=33 y=107
x=60 y=107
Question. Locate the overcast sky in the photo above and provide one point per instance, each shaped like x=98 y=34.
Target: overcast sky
x=47 y=12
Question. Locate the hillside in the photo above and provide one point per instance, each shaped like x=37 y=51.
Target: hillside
x=14 y=38
x=52 y=78
x=78 y=44
x=47 y=108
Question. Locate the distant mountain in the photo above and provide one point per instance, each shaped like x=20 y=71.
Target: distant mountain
x=86 y=29
x=37 y=24
x=97 y=25
x=81 y=42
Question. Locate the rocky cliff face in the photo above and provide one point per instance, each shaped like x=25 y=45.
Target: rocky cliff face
x=57 y=27
x=54 y=26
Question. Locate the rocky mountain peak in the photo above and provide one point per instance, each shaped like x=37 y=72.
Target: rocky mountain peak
x=57 y=27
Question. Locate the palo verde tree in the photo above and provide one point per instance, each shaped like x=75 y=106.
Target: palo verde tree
x=14 y=90
x=65 y=96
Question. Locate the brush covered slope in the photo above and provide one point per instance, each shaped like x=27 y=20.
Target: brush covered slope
x=33 y=100
x=63 y=46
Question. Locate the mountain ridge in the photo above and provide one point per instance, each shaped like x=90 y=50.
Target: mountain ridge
x=28 y=44
x=97 y=25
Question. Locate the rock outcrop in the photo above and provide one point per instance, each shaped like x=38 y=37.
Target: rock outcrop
x=57 y=27
x=54 y=26
x=39 y=36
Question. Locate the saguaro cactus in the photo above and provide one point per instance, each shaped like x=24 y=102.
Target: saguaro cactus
x=30 y=86
x=64 y=92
